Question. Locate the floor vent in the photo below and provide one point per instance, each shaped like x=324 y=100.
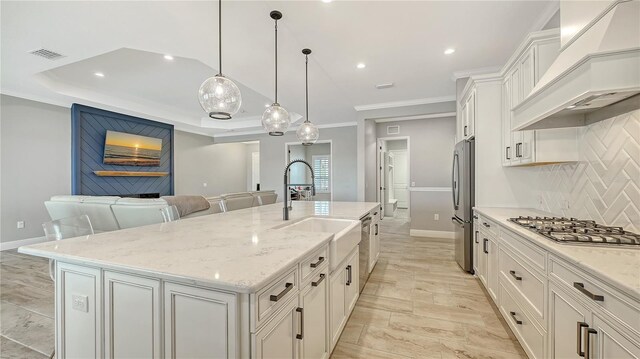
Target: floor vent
x=47 y=54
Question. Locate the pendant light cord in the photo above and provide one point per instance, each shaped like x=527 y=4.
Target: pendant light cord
x=306 y=82
x=276 y=98
x=220 y=37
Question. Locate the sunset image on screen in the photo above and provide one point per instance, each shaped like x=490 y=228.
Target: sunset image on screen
x=126 y=149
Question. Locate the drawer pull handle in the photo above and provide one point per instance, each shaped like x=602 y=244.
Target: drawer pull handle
x=579 y=337
x=513 y=274
x=580 y=287
x=375 y=234
x=475 y=216
x=320 y=260
x=315 y=284
x=513 y=315
x=301 y=311
x=587 y=342
x=348 y=275
x=476 y=240
x=275 y=298
x=485 y=245
x=486 y=224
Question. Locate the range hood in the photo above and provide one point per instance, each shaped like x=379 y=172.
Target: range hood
x=595 y=76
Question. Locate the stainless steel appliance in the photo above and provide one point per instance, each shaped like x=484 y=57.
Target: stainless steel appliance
x=363 y=259
x=576 y=231
x=462 y=186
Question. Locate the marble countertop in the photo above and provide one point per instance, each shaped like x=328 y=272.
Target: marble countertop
x=618 y=267
x=238 y=251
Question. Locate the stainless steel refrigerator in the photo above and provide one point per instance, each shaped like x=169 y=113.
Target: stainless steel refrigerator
x=462 y=185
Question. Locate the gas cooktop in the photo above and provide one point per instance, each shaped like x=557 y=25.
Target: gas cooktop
x=576 y=231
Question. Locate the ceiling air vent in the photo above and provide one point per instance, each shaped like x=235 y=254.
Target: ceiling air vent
x=393 y=130
x=384 y=86
x=47 y=54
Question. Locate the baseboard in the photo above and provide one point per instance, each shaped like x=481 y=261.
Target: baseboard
x=22 y=242
x=431 y=234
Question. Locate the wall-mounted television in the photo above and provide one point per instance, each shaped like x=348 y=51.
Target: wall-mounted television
x=126 y=149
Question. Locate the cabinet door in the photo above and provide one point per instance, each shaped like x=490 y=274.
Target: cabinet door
x=352 y=289
x=465 y=120
x=527 y=147
x=507 y=153
x=278 y=338
x=132 y=316
x=492 y=269
x=516 y=94
x=608 y=342
x=527 y=72
x=566 y=314
x=482 y=259
x=471 y=118
x=313 y=301
x=199 y=323
x=337 y=303
x=476 y=249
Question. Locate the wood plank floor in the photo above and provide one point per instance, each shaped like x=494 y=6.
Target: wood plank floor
x=417 y=304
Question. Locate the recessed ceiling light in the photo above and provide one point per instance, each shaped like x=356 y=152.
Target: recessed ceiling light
x=361 y=65
x=168 y=57
x=570 y=107
x=449 y=51
x=327 y=1
x=266 y=105
x=99 y=74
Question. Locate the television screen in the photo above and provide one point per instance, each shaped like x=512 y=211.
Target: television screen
x=125 y=149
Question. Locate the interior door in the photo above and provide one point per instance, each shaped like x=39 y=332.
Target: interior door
x=400 y=178
x=380 y=164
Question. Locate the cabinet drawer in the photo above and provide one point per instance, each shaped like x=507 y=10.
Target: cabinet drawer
x=310 y=266
x=530 y=285
x=274 y=295
x=488 y=226
x=536 y=256
x=530 y=336
x=595 y=293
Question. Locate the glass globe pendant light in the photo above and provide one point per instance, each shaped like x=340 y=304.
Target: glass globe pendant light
x=219 y=96
x=275 y=119
x=307 y=133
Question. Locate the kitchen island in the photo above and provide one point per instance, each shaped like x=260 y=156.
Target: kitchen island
x=238 y=284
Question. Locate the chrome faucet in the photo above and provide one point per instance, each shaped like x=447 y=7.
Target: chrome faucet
x=287 y=208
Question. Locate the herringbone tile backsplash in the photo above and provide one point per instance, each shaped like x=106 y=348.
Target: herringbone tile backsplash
x=605 y=185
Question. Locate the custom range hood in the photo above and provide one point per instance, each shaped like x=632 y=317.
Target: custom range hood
x=597 y=73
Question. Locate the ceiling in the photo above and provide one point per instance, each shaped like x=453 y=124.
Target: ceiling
x=400 y=42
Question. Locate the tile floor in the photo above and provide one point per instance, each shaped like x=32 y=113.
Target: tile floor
x=417 y=304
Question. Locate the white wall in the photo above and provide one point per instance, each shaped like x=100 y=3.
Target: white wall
x=273 y=162
x=197 y=160
x=35 y=141
x=250 y=148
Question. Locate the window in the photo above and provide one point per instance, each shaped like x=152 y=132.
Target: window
x=321 y=169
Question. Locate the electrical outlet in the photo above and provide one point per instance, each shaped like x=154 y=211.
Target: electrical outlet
x=80 y=303
x=20 y=224
x=204 y=184
x=566 y=204
x=436 y=217
x=413 y=184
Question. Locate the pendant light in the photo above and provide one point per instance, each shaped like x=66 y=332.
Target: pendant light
x=275 y=118
x=219 y=96
x=308 y=133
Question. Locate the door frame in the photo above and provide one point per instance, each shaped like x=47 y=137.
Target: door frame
x=330 y=142
x=379 y=141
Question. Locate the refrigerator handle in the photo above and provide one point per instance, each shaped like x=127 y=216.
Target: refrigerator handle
x=454 y=181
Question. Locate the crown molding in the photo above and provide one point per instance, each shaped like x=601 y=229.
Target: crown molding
x=416 y=117
x=394 y=104
x=261 y=131
x=475 y=72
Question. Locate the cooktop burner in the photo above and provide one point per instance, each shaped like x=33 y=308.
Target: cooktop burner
x=576 y=231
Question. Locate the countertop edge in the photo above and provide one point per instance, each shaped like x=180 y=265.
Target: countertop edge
x=618 y=285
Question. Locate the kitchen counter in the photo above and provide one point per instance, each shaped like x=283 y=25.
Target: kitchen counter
x=238 y=251
x=619 y=267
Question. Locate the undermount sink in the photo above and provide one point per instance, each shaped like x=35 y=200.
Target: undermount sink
x=346 y=235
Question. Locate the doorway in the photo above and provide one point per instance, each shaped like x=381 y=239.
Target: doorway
x=393 y=176
x=319 y=156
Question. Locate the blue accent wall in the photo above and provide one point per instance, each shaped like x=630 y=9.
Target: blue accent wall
x=88 y=130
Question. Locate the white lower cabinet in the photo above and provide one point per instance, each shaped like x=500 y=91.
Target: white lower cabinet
x=488 y=263
x=314 y=319
x=129 y=331
x=608 y=341
x=566 y=316
x=344 y=293
x=278 y=338
x=199 y=323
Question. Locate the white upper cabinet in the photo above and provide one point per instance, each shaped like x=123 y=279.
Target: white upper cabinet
x=522 y=73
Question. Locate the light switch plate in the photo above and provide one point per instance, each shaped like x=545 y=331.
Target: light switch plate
x=80 y=303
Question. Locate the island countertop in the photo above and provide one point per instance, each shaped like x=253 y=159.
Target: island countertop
x=237 y=251
x=617 y=266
